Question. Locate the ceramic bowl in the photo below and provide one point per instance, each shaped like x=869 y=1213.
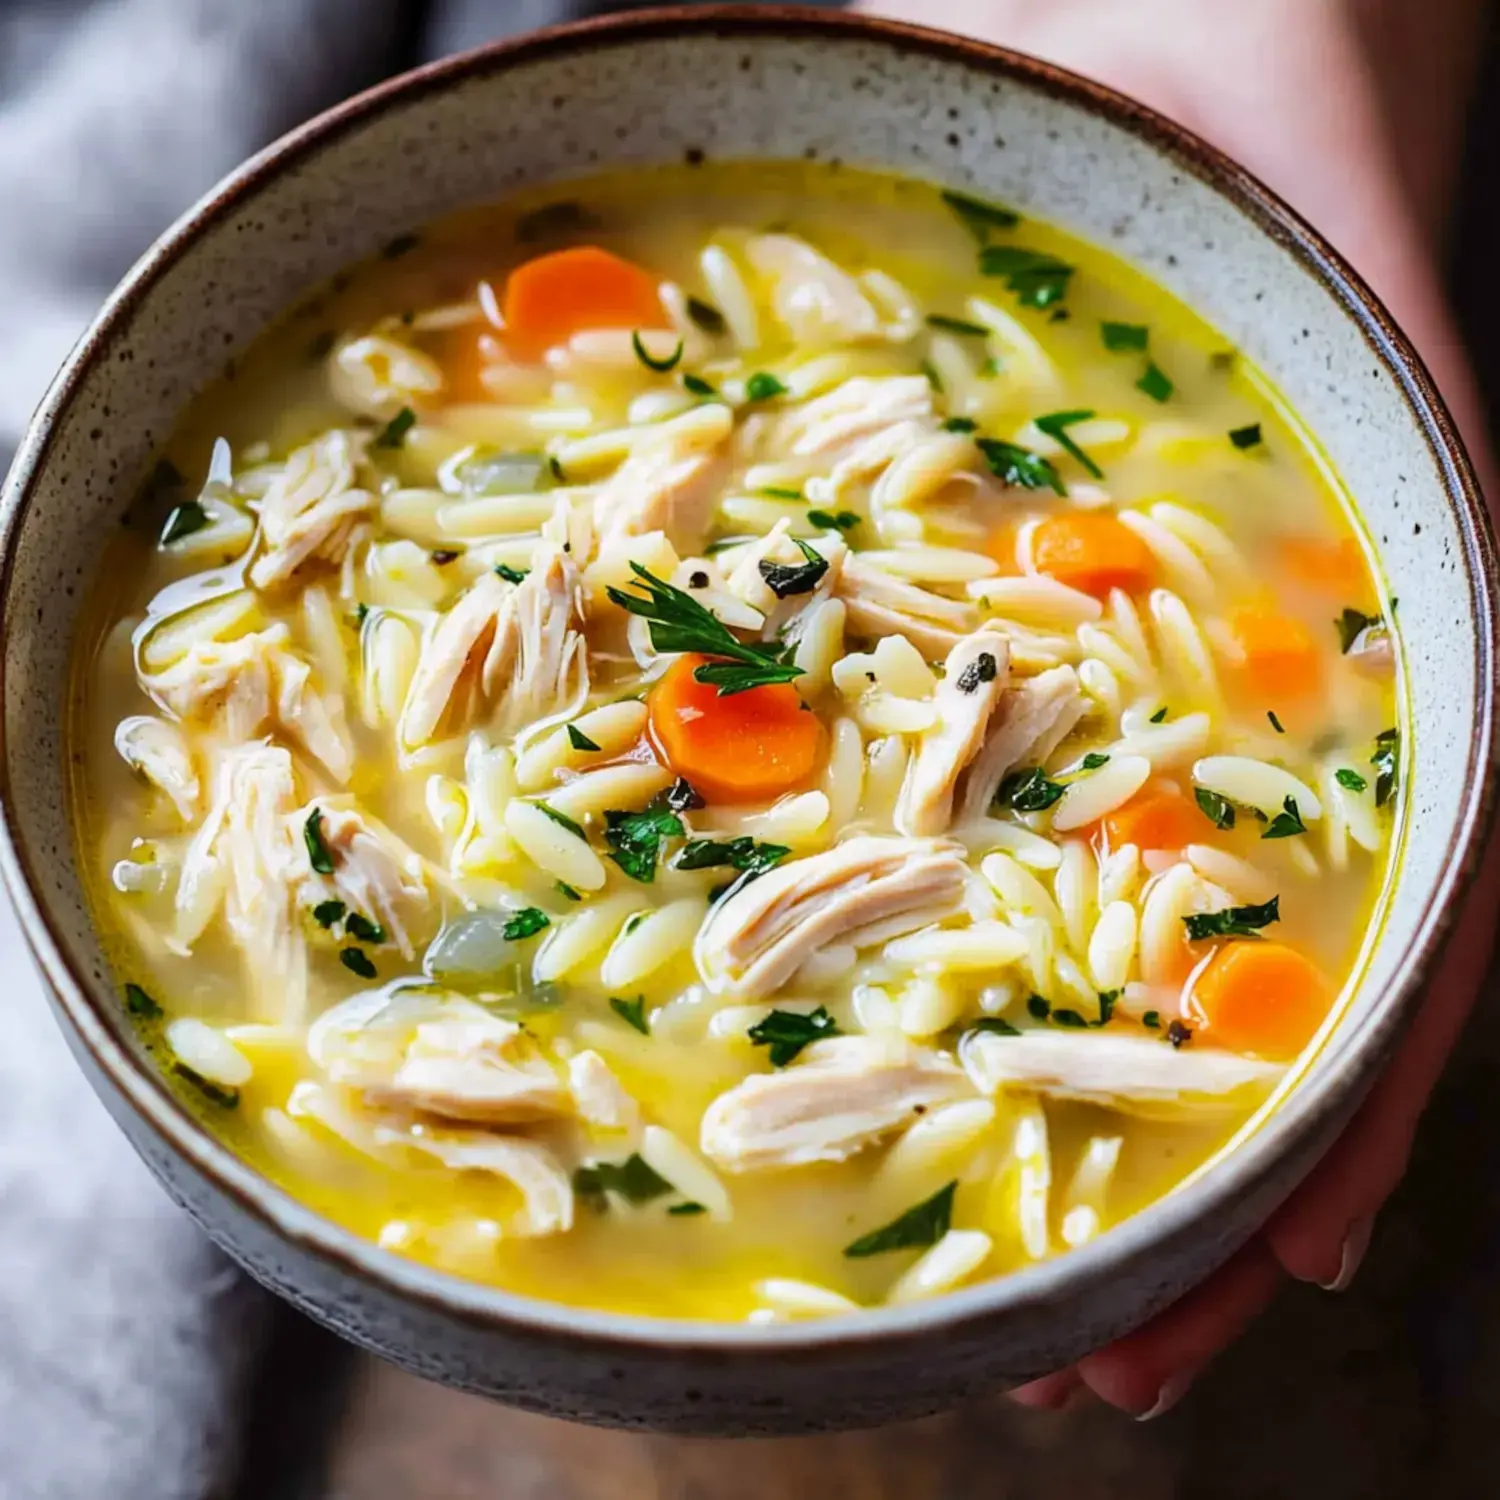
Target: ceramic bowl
x=749 y=82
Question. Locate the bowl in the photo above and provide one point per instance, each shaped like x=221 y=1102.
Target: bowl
x=745 y=82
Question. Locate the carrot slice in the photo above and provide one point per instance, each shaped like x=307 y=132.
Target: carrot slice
x=1281 y=660
x=744 y=748
x=1092 y=552
x=549 y=299
x=1261 y=997
x=1156 y=820
x=1335 y=568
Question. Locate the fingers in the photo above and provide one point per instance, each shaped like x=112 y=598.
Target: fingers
x=1050 y=1393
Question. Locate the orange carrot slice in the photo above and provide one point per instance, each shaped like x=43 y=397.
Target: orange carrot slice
x=1156 y=820
x=1281 y=660
x=1335 y=568
x=1261 y=997
x=1092 y=552
x=549 y=299
x=747 y=747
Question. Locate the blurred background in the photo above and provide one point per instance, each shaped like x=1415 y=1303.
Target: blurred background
x=135 y=1362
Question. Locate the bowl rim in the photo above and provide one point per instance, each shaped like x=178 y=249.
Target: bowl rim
x=1313 y=1105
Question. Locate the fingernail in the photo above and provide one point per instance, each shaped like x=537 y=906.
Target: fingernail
x=1352 y=1254
x=1168 y=1397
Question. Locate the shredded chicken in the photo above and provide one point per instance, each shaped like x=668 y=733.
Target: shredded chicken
x=1033 y=719
x=859 y=408
x=845 y=1094
x=659 y=489
x=749 y=584
x=599 y=1096
x=973 y=681
x=816 y=301
x=310 y=511
x=861 y=892
x=881 y=604
x=511 y=650
x=160 y=752
x=1138 y=1074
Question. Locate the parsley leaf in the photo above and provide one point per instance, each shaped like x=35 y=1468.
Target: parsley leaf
x=1018 y=466
x=1093 y=760
x=1233 y=921
x=1037 y=279
x=832 y=520
x=184 y=520
x=139 y=1003
x=1038 y=1008
x=682 y=796
x=686 y=1210
x=916 y=1229
x=983 y=668
x=393 y=434
x=742 y=854
x=1275 y=722
x=763 y=386
x=1055 y=425
x=357 y=961
x=706 y=316
x=696 y=385
x=362 y=929
x=326 y=913
x=1352 y=624
x=1120 y=338
x=1287 y=823
x=661 y=366
x=1159 y=715
x=636 y=837
x=510 y=574
x=1028 y=791
x=960 y=424
x=979 y=217
x=771 y=492
x=566 y=891
x=318 y=854
x=632 y=1012
x=1069 y=1018
x=1245 y=437
x=218 y=1093
x=562 y=820
x=1155 y=383
x=1218 y=810
x=633 y=1179
x=579 y=740
x=957 y=325
x=786 y=579
x=1152 y=1018
x=1387 y=763
x=995 y=1025
x=787 y=1032
x=1351 y=780
x=525 y=923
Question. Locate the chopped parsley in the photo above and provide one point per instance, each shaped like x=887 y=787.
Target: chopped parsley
x=1038 y=279
x=786 y=579
x=1218 y=810
x=525 y=923
x=579 y=740
x=1093 y=760
x=763 y=386
x=319 y=855
x=183 y=521
x=776 y=492
x=218 y=1093
x=566 y=891
x=995 y=1026
x=1055 y=425
x=696 y=385
x=362 y=929
x=961 y=424
x=1352 y=624
x=632 y=1013
x=1069 y=1018
x=633 y=1179
x=706 y=316
x=832 y=520
x=393 y=434
x=742 y=854
x=686 y=1210
x=916 y=1229
x=1107 y=1001
x=1030 y=790
x=510 y=574
x=1159 y=715
x=636 y=838
x=1350 y=780
x=1122 y=338
x=1038 y=1008
x=1287 y=823
x=787 y=1032
x=562 y=820
x=1154 y=382
x=682 y=796
x=1152 y=1019
x=661 y=366
x=983 y=668
x=957 y=325
x=326 y=913
x=1275 y=722
x=979 y=217
x=1387 y=761
x=1233 y=921
x=1245 y=437
x=357 y=961
x=933 y=378
x=139 y=1003
x=1020 y=467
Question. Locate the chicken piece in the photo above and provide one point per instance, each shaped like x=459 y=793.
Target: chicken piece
x=545 y=1188
x=748 y=583
x=159 y=751
x=374 y=872
x=881 y=604
x=1140 y=1075
x=659 y=488
x=847 y=1093
x=505 y=650
x=599 y=1096
x=861 y=892
x=250 y=685
x=431 y=1053
x=856 y=409
x=1033 y=719
x=310 y=511
x=816 y=301
x=244 y=858
x=973 y=681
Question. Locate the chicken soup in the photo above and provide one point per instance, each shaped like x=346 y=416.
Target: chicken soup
x=736 y=742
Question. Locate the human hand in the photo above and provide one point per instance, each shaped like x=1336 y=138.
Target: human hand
x=1291 y=88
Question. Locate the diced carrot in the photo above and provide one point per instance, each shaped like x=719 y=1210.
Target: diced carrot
x=1261 y=997
x=463 y=353
x=1156 y=820
x=746 y=747
x=1092 y=552
x=549 y=299
x=1281 y=661
x=1335 y=568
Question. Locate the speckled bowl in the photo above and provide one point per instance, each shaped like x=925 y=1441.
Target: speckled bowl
x=743 y=82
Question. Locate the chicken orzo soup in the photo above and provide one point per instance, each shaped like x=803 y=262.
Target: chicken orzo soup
x=736 y=742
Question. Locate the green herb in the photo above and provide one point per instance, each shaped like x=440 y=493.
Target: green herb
x=326 y=913
x=1233 y=921
x=1275 y=722
x=1351 y=780
x=1069 y=1018
x=1245 y=437
x=1038 y=1008
x=1093 y=760
x=318 y=854
x=696 y=385
x=788 y=579
x=1155 y=383
x=661 y=366
x=686 y=1210
x=1159 y=715
x=357 y=961
x=763 y=386
x=636 y=837
x=1287 y=823
x=1029 y=791
x=742 y=854
x=680 y=624
x=393 y=434
x=1387 y=762
x=363 y=930
x=787 y=1032
x=961 y=424
x=779 y=492
x=1107 y=1002
x=1218 y=810
x=633 y=1179
x=682 y=796
x=566 y=891
x=983 y=668
x=1352 y=624
x=579 y=740
x=526 y=923
x=1055 y=425
x=1152 y=1018
x=1018 y=466
x=361 y=613
x=1121 y=338
x=979 y=217
x=562 y=820
x=184 y=520
x=706 y=316
x=933 y=378
x=632 y=1013
x=139 y=1003
x=1178 y=1034
x=832 y=520
x=995 y=1025
x=991 y=367
x=218 y=1093
x=554 y=466
x=1037 y=279
x=510 y=574
x=916 y=1229
x=957 y=325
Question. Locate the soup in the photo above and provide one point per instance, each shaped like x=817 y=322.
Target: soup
x=736 y=742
